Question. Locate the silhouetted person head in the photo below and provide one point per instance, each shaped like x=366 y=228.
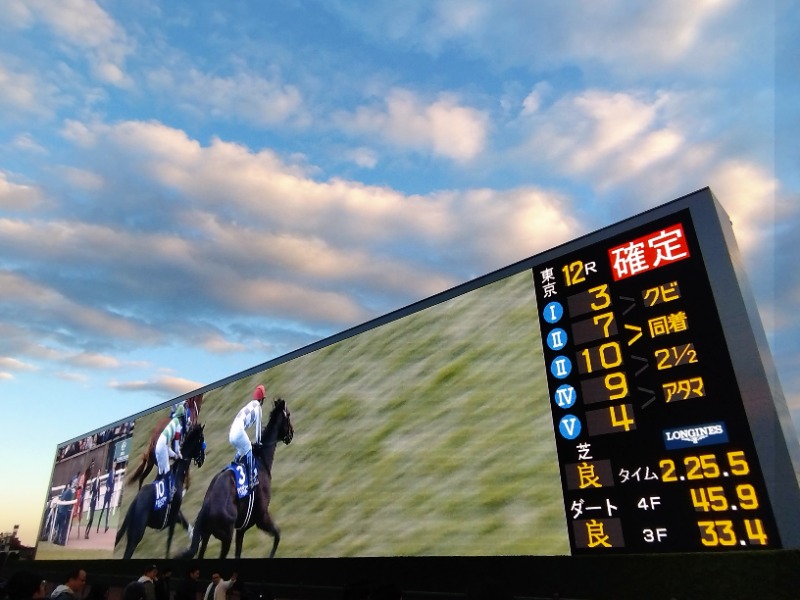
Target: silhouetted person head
x=23 y=585
x=99 y=591
x=134 y=591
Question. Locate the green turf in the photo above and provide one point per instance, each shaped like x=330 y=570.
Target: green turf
x=430 y=435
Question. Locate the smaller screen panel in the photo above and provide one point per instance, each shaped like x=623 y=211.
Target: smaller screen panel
x=655 y=448
x=81 y=513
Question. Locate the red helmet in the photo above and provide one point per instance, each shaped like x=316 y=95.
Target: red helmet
x=259 y=393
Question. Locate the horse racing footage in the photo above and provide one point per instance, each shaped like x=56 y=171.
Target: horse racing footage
x=427 y=435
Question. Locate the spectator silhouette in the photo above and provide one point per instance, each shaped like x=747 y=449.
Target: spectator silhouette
x=99 y=591
x=134 y=591
x=72 y=588
x=24 y=585
x=187 y=589
x=148 y=581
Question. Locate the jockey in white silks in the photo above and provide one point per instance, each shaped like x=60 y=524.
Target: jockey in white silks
x=248 y=416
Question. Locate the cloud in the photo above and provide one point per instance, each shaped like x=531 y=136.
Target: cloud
x=608 y=136
x=199 y=245
x=27 y=143
x=24 y=93
x=443 y=127
x=12 y=364
x=24 y=298
x=82 y=178
x=169 y=385
x=92 y=360
x=363 y=157
x=533 y=101
x=8 y=363
x=217 y=344
x=16 y=13
x=621 y=36
x=748 y=193
x=86 y=27
x=78 y=133
x=629 y=143
x=19 y=197
x=72 y=377
x=241 y=96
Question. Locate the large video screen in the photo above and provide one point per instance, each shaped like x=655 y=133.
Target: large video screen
x=606 y=396
x=429 y=435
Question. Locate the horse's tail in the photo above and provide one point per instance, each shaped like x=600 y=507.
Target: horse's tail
x=139 y=470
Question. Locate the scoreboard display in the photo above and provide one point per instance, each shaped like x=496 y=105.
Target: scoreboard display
x=653 y=434
x=612 y=395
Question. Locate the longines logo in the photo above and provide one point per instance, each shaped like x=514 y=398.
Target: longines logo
x=695 y=435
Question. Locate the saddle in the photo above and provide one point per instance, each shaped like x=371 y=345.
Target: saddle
x=245 y=497
x=243 y=481
x=163 y=495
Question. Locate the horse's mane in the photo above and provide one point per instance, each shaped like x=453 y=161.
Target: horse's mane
x=278 y=407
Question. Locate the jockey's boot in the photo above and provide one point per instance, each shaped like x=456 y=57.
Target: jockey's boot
x=251 y=476
x=170 y=486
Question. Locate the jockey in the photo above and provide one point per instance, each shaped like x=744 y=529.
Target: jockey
x=248 y=416
x=169 y=446
x=185 y=414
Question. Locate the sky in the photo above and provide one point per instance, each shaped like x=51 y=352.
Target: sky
x=188 y=190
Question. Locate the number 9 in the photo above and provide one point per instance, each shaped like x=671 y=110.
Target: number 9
x=617 y=383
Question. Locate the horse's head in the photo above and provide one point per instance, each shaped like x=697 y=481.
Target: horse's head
x=194 y=445
x=193 y=406
x=279 y=423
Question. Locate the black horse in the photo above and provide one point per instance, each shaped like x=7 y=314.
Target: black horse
x=223 y=512
x=142 y=512
x=148 y=461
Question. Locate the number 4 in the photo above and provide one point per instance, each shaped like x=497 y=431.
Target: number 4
x=621 y=420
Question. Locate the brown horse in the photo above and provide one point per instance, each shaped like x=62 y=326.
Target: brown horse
x=193 y=404
x=223 y=514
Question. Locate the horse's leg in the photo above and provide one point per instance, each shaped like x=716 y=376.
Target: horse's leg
x=268 y=525
x=136 y=526
x=203 y=545
x=123 y=527
x=239 y=541
x=226 y=544
x=170 y=532
x=186 y=525
x=276 y=539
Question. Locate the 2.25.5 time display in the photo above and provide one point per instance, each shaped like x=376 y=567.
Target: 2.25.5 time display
x=704 y=466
